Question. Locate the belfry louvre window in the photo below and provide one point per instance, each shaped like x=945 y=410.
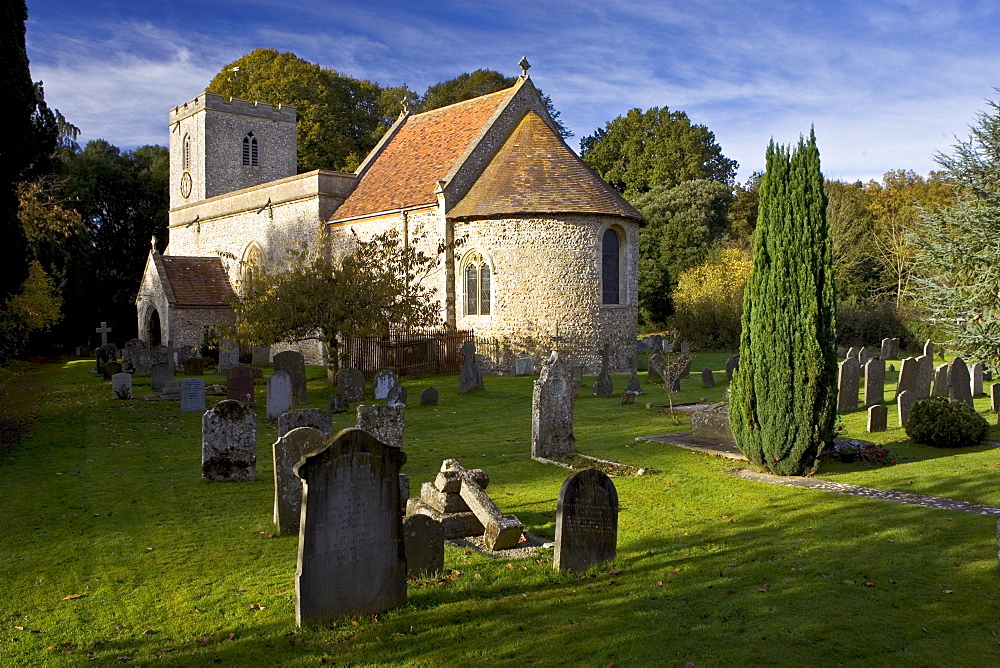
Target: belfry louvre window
x=186 y=153
x=610 y=267
x=250 y=150
x=477 y=285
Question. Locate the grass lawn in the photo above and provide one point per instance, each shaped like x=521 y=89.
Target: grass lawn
x=115 y=550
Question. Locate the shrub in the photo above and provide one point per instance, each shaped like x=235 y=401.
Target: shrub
x=945 y=423
x=709 y=301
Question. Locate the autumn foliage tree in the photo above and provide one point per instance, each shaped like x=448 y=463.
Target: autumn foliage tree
x=709 y=301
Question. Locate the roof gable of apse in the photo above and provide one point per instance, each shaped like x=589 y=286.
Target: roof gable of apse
x=536 y=172
x=422 y=151
x=197 y=282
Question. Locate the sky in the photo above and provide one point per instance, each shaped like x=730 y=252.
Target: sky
x=886 y=84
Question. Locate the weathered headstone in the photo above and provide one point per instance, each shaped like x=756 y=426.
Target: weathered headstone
x=641 y=347
x=288 y=450
x=110 y=369
x=470 y=377
x=229 y=442
x=904 y=403
x=351 y=384
x=960 y=385
x=925 y=374
x=192 y=394
x=633 y=386
x=194 y=366
x=384 y=381
x=656 y=343
x=886 y=349
x=279 y=395
x=929 y=349
x=103 y=355
x=627 y=398
x=261 y=356
x=338 y=403
x=874 y=382
x=552 y=401
x=895 y=348
x=976 y=378
x=847 y=386
x=667 y=346
x=229 y=356
x=159 y=376
x=854 y=353
x=351 y=554
x=292 y=363
x=586 y=521
x=130 y=354
x=686 y=367
x=171 y=391
x=502 y=531
x=707 y=377
x=878 y=417
x=941 y=381
x=655 y=366
x=864 y=356
x=909 y=369
x=317 y=418
x=121 y=385
x=429 y=397
x=239 y=385
x=423 y=541
x=397 y=396
x=383 y=422
x=603 y=386
x=732 y=364
x=524 y=366
x=576 y=373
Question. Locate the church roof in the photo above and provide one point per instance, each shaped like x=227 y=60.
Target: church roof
x=535 y=172
x=422 y=151
x=197 y=281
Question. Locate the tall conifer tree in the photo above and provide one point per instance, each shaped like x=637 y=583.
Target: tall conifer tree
x=784 y=395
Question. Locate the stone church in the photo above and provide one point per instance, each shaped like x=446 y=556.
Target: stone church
x=549 y=252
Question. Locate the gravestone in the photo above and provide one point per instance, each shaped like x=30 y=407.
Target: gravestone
x=172 y=358
x=502 y=531
x=397 y=396
x=685 y=369
x=904 y=403
x=239 y=385
x=292 y=363
x=707 y=378
x=384 y=381
x=429 y=397
x=941 y=381
x=104 y=355
x=667 y=346
x=925 y=373
x=337 y=403
x=929 y=349
x=351 y=557
x=847 y=386
x=633 y=386
x=351 y=384
x=470 y=377
x=110 y=369
x=586 y=521
x=229 y=442
x=576 y=374
x=288 y=450
x=317 y=418
x=279 y=395
x=194 y=366
x=878 y=417
x=960 y=385
x=171 y=391
x=656 y=343
x=641 y=347
x=995 y=397
x=159 y=376
x=627 y=398
x=732 y=364
x=121 y=385
x=229 y=356
x=874 y=382
x=552 y=401
x=886 y=349
x=261 y=356
x=603 y=386
x=524 y=366
x=383 y=422
x=976 y=378
x=895 y=348
x=864 y=356
x=712 y=423
x=423 y=543
x=130 y=354
x=655 y=366
x=685 y=347
x=103 y=330
x=192 y=394
x=909 y=369
x=854 y=354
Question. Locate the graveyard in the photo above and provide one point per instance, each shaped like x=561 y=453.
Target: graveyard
x=116 y=548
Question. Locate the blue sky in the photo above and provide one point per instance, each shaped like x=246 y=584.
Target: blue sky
x=886 y=84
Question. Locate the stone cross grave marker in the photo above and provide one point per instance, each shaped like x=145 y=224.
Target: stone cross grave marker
x=423 y=542
x=293 y=363
x=121 y=385
x=192 y=394
x=103 y=330
x=878 y=417
x=159 y=376
x=279 y=395
x=383 y=422
x=351 y=557
x=397 y=396
x=239 y=385
x=229 y=442
x=384 y=380
x=502 y=531
x=586 y=521
x=603 y=386
x=470 y=376
x=351 y=384
x=552 y=401
x=288 y=450
x=317 y=418
x=429 y=397
x=633 y=386
x=874 y=381
x=904 y=403
x=847 y=387
x=960 y=384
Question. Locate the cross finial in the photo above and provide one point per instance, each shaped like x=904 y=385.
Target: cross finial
x=525 y=66
x=406 y=105
x=152 y=242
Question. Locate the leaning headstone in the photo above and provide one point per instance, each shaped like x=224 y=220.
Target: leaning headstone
x=279 y=395
x=159 y=376
x=904 y=403
x=229 y=442
x=874 y=382
x=351 y=557
x=192 y=394
x=995 y=397
x=878 y=417
x=524 y=366
x=925 y=373
x=261 y=356
x=239 y=385
x=229 y=356
x=847 y=386
x=351 y=384
x=960 y=385
x=603 y=386
x=552 y=401
x=317 y=418
x=384 y=381
x=423 y=542
x=586 y=521
x=707 y=378
x=396 y=396
x=292 y=363
x=110 y=369
x=338 y=403
x=288 y=450
x=121 y=385
x=976 y=378
x=383 y=422
x=470 y=377
x=194 y=366
x=941 y=381
x=908 y=372
x=429 y=397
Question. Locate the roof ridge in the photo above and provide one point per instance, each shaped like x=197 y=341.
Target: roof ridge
x=478 y=98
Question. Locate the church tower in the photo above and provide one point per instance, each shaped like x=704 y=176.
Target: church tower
x=219 y=145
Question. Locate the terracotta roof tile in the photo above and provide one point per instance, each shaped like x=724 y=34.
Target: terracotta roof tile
x=535 y=172
x=198 y=281
x=423 y=151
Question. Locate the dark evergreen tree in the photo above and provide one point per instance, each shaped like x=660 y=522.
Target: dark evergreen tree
x=783 y=403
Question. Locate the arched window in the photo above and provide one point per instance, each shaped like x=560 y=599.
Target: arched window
x=611 y=253
x=250 y=150
x=186 y=153
x=253 y=259
x=477 y=284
